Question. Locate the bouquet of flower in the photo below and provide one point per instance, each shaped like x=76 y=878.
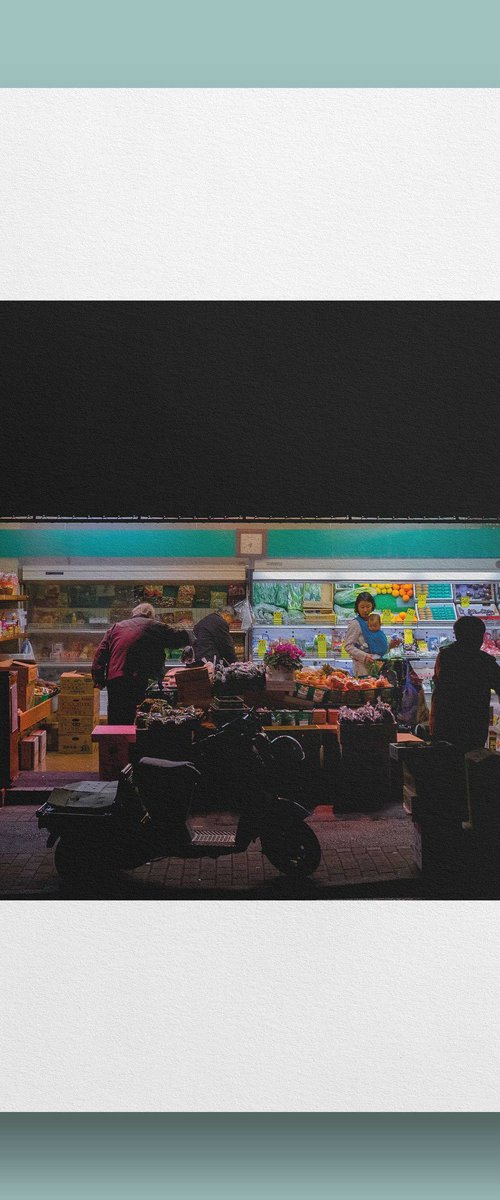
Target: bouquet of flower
x=284 y=656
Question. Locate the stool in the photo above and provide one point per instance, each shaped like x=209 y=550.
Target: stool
x=114 y=748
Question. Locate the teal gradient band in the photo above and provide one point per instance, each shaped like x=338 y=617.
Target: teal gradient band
x=221 y=1156
x=269 y=43
x=348 y=541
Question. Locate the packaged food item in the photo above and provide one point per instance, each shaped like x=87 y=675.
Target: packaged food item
x=184 y=617
x=185 y=595
x=235 y=593
x=202 y=596
x=169 y=595
x=153 y=593
x=218 y=599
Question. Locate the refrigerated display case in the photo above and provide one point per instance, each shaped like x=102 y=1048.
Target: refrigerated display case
x=67 y=619
x=314 y=613
x=12 y=614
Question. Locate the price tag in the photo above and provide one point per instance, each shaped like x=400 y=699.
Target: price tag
x=261 y=647
x=321 y=645
x=465 y=601
x=278 y=618
x=343 y=651
x=408 y=637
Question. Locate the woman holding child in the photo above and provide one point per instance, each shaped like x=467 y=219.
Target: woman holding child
x=365 y=640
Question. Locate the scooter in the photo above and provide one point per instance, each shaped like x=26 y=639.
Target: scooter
x=101 y=827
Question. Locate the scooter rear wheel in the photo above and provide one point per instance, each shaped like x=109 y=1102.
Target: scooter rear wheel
x=71 y=861
x=294 y=850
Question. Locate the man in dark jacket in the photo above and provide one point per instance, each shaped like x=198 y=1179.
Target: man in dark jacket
x=213 y=639
x=130 y=654
x=464 y=677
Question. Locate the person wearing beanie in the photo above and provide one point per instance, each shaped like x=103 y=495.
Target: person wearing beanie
x=464 y=677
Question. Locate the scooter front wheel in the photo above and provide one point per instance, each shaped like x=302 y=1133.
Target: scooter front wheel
x=294 y=850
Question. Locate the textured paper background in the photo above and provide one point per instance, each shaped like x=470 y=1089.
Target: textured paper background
x=249 y=194
x=215 y=1006
x=248 y=1007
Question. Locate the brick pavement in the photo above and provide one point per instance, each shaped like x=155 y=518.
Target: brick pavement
x=363 y=853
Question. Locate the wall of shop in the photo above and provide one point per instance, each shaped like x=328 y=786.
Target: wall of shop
x=373 y=541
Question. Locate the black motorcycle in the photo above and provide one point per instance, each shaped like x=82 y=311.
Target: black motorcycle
x=97 y=827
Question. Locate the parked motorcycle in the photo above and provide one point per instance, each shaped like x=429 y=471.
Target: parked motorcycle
x=100 y=827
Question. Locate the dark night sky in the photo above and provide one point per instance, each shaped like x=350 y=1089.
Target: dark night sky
x=272 y=409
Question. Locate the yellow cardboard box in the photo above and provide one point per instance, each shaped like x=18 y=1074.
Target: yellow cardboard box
x=70 y=725
x=74 y=684
x=75 y=743
x=84 y=706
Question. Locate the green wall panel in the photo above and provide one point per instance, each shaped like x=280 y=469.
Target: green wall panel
x=386 y=542
x=117 y=543
x=349 y=541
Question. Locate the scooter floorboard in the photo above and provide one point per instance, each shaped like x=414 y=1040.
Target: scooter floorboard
x=212 y=837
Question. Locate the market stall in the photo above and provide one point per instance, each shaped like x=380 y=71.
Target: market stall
x=71 y=580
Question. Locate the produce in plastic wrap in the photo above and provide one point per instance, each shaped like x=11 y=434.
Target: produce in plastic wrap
x=264 y=613
x=295 y=596
x=345 y=614
x=345 y=597
x=312 y=591
x=264 y=593
x=281 y=595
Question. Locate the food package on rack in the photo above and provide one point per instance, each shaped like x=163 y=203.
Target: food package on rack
x=168 y=618
x=153 y=593
x=487 y=612
x=185 y=595
x=184 y=617
x=202 y=596
x=169 y=595
x=9 y=584
x=474 y=593
x=218 y=599
x=236 y=592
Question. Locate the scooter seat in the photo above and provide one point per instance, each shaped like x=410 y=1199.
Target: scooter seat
x=166 y=787
x=183 y=769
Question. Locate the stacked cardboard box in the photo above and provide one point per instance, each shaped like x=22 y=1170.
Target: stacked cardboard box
x=29 y=753
x=32 y=750
x=78 y=713
x=27 y=673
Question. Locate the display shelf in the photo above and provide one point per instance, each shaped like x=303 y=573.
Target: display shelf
x=306 y=625
x=12 y=637
x=12 y=599
x=63 y=662
x=47 y=629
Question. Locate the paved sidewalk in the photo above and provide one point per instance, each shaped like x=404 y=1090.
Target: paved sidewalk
x=363 y=853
